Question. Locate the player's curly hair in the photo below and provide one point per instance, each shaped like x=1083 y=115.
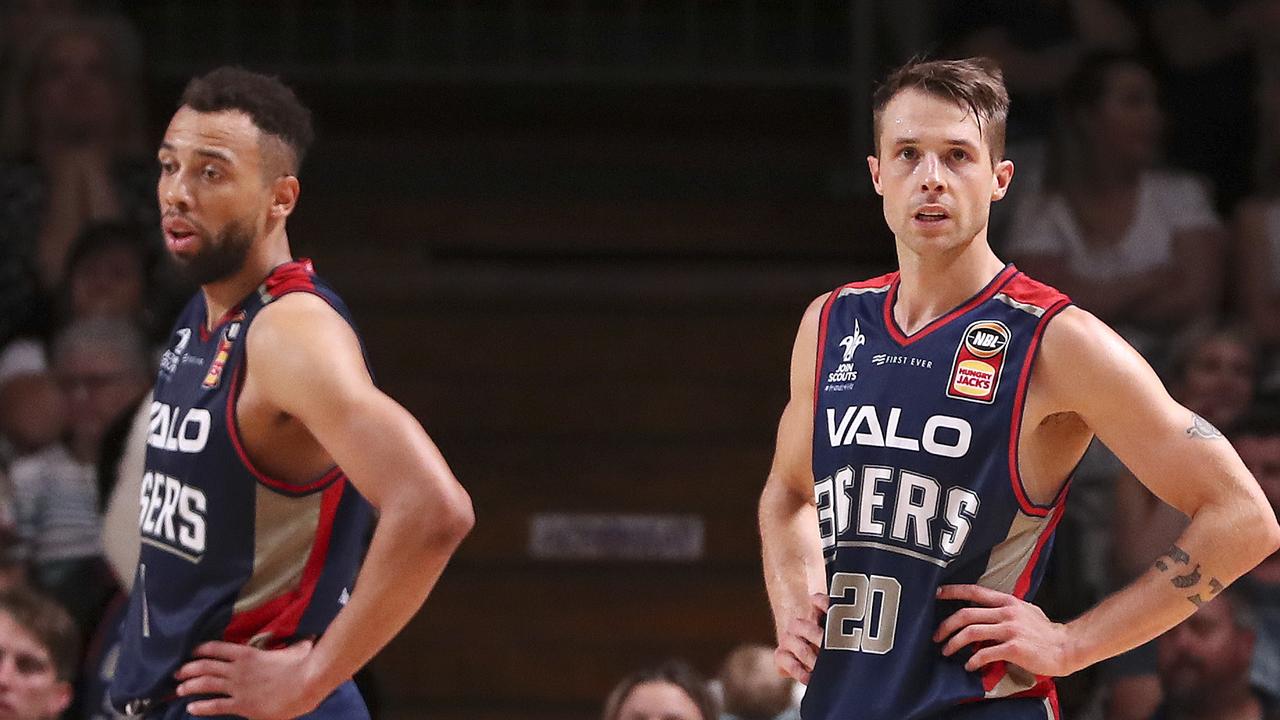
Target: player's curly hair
x=973 y=83
x=271 y=104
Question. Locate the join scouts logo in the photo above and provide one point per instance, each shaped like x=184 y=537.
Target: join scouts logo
x=219 y=363
x=975 y=374
x=844 y=372
x=169 y=361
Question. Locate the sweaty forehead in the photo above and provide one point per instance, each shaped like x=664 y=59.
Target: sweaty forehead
x=915 y=113
x=229 y=131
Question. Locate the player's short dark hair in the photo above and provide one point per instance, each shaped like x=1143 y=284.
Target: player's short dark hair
x=673 y=672
x=52 y=627
x=975 y=83
x=271 y=104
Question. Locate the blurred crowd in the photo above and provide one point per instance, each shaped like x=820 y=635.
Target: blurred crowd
x=1146 y=136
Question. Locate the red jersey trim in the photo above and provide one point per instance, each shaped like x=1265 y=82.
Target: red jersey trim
x=997 y=670
x=1030 y=291
x=290 y=276
x=1019 y=405
x=279 y=617
x=822 y=344
x=903 y=340
x=875 y=282
x=233 y=430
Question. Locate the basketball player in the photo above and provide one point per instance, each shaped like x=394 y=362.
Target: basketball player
x=270 y=449
x=936 y=413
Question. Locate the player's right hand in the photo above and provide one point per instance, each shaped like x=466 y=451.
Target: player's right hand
x=800 y=640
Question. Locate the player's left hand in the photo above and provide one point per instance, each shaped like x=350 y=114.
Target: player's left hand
x=1003 y=627
x=256 y=684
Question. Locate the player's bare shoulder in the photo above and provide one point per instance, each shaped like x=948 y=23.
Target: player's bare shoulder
x=302 y=322
x=1081 y=360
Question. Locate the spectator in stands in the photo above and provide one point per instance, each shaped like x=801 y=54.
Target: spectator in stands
x=1137 y=245
x=1204 y=665
x=22 y=20
x=1258 y=442
x=38 y=651
x=1038 y=45
x=670 y=691
x=32 y=413
x=73 y=142
x=13 y=570
x=109 y=274
x=751 y=687
x=1257 y=224
x=103 y=367
x=1210 y=52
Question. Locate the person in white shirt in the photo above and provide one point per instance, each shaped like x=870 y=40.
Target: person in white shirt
x=1138 y=245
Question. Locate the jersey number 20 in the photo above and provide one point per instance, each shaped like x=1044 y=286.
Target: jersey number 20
x=866 y=598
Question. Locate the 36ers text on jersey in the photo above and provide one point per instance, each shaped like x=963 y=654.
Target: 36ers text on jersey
x=228 y=552
x=915 y=463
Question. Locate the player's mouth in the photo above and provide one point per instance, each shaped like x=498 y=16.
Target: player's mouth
x=931 y=215
x=179 y=234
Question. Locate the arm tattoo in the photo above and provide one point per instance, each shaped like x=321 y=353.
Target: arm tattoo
x=1201 y=428
x=1178 y=556
x=1174 y=553
x=1191 y=579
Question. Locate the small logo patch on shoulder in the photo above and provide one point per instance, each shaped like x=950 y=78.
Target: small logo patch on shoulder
x=975 y=374
x=229 y=335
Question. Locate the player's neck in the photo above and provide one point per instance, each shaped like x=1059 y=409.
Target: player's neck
x=933 y=285
x=266 y=254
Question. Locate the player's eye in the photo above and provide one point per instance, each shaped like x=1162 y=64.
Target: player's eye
x=168 y=167
x=959 y=155
x=210 y=173
x=908 y=153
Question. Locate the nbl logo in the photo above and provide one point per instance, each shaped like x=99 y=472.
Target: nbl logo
x=979 y=362
x=986 y=339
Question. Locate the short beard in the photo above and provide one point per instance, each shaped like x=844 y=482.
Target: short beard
x=223 y=255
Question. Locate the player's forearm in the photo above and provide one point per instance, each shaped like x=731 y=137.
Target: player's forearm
x=793 y=565
x=1223 y=542
x=407 y=555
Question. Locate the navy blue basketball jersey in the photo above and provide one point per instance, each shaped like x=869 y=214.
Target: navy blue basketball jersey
x=915 y=464
x=228 y=552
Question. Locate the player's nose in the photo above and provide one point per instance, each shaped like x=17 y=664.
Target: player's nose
x=175 y=192
x=931 y=179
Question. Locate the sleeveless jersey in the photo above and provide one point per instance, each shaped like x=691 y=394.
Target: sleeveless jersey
x=228 y=552
x=915 y=449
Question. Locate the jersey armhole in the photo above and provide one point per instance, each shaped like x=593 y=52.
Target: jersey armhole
x=1019 y=406
x=328 y=477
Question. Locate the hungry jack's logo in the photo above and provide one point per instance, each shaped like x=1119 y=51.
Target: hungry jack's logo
x=975 y=374
x=214 y=376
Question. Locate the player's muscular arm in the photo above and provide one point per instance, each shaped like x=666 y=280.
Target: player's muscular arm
x=793 y=566
x=320 y=379
x=1177 y=455
x=1087 y=369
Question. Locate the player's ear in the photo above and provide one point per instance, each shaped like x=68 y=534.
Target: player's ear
x=873 y=164
x=284 y=195
x=1001 y=178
